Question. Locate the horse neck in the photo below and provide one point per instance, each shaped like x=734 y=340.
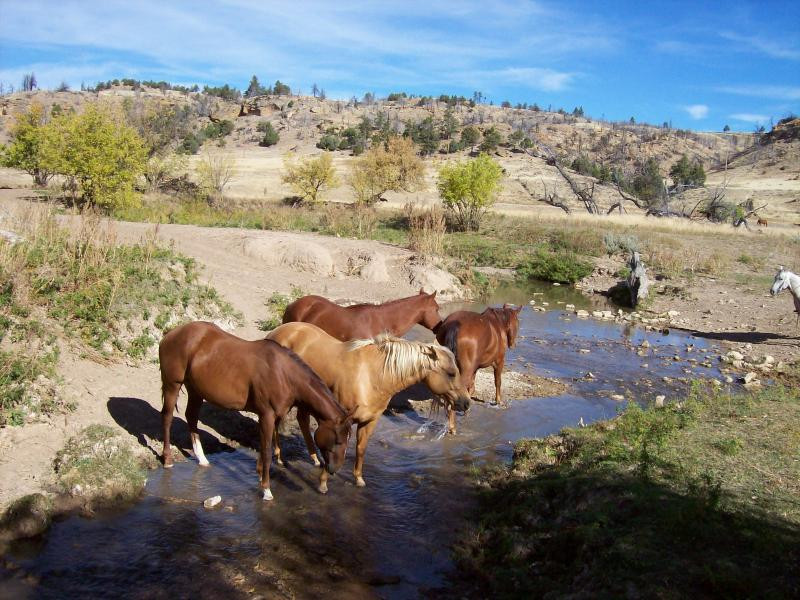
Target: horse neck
x=392 y=384
x=794 y=284
x=400 y=321
x=313 y=394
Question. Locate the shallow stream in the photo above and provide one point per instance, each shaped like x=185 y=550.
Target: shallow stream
x=391 y=539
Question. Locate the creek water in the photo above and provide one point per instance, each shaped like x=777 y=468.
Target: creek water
x=392 y=539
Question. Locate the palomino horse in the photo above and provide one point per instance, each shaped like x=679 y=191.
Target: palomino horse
x=365 y=374
x=479 y=340
x=786 y=279
x=363 y=321
x=260 y=377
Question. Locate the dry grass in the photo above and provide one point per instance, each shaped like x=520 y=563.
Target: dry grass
x=426 y=229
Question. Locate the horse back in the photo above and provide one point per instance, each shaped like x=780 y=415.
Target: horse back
x=471 y=337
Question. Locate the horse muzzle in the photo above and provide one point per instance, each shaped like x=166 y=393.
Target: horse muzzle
x=462 y=403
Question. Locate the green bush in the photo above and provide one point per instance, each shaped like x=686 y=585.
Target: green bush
x=329 y=142
x=561 y=267
x=468 y=189
x=617 y=243
x=271 y=136
x=277 y=304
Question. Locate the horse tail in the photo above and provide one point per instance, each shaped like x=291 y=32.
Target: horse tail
x=451 y=338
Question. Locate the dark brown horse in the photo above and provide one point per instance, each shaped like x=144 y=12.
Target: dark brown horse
x=478 y=341
x=261 y=377
x=364 y=321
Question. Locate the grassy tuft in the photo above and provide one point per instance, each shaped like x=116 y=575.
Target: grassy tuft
x=99 y=464
x=277 y=304
x=563 y=267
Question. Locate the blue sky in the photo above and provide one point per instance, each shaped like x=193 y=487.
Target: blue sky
x=698 y=65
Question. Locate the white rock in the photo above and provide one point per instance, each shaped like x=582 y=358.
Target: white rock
x=734 y=355
x=583 y=314
x=728 y=379
x=660 y=400
x=555 y=283
x=212 y=502
x=672 y=313
x=584 y=351
x=617 y=397
x=749 y=377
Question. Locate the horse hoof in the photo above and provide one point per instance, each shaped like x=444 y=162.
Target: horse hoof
x=168 y=465
x=323 y=489
x=360 y=482
x=280 y=462
x=316 y=461
x=268 y=495
x=202 y=463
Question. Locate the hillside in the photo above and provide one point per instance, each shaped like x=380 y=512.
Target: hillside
x=767 y=173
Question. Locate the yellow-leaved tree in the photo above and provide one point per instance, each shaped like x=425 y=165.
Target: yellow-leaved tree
x=311 y=177
x=24 y=151
x=393 y=166
x=468 y=190
x=97 y=151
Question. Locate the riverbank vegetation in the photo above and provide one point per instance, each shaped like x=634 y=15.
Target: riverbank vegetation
x=695 y=498
x=109 y=299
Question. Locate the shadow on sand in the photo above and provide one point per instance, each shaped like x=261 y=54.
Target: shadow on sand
x=748 y=337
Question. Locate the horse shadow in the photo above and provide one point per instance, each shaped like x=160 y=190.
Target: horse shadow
x=418 y=392
x=142 y=421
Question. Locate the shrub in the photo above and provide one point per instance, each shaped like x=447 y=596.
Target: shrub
x=311 y=177
x=393 y=166
x=468 y=190
x=215 y=172
x=561 y=267
x=271 y=136
x=218 y=130
x=99 y=151
x=687 y=174
x=617 y=243
x=469 y=136
x=491 y=140
x=329 y=142
x=25 y=150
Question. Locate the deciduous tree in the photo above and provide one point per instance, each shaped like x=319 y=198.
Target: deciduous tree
x=468 y=189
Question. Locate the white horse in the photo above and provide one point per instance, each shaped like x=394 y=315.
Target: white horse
x=786 y=279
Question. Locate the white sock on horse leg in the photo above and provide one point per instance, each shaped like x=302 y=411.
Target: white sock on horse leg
x=198 y=450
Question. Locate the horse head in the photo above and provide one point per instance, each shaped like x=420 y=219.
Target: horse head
x=430 y=310
x=332 y=438
x=781 y=281
x=512 y=323
x=444 y=378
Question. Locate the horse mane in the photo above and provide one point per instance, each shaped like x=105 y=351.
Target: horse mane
x=451 y=338
x=502 y=314
x=314 y=380
x=403 y=359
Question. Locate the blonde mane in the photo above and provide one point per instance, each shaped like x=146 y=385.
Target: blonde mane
x=403 y=359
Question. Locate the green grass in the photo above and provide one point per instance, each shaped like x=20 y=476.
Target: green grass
x=695 y=499
x=277 y=304
x=563 y=267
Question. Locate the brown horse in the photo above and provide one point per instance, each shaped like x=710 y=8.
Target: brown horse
x=365 y=374
x=762 y=221
x=260 y=377
x=478 y=341
x=363 y=321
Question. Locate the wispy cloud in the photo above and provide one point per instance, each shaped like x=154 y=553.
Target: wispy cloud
x=697 y=111
x=770 y=47
x=750 y=117
x=778 y=92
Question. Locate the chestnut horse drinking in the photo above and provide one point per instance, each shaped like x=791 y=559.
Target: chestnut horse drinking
x=363 y=321
x=365 y=374
x=260 y=377
x=478 y=341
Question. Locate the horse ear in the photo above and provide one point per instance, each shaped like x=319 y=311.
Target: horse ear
x=781 y=268
x=518 y=309
x=421 y=291
x=505 y=305
x=433 y=295
x=430 y=350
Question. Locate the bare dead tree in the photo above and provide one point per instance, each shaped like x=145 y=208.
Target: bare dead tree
x=549 y=198
x=585 y=194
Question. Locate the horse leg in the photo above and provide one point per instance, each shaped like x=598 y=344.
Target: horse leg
x=363 y=434
x=266 y=422
x=192 y=414
x=169 y=394
x=304 y=420
x=451 y=420
x=276 y=442
x=498 y=379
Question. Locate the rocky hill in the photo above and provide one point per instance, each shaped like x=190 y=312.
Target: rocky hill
x=302 y=121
